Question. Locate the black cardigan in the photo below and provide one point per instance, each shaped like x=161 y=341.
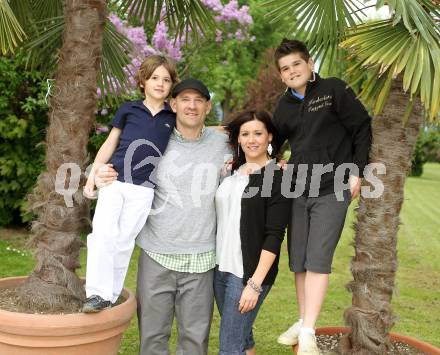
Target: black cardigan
x=330 y=126
x=264 y=217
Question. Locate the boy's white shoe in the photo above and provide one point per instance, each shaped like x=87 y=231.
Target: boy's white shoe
x=307 y=344
x=290 y=336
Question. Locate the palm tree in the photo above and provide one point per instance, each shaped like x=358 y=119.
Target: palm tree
x=76 y=38
x=398 y=70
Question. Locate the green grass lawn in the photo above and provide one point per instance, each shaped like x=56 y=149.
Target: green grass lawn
x=416 y=301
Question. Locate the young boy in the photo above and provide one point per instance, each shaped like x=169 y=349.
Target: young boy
x=140 y=134
x=326 y=125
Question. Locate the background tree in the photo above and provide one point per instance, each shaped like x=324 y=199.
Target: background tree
x=229 y=60
x=86 y=36
x=397 y=64
x=264 y=91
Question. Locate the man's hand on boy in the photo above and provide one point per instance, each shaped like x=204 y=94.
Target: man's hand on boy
x=105 y=175
x=282 y=164
x=227 y=168
x=89 y=190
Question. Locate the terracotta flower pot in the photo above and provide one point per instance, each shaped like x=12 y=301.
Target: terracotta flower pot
x=68 y=334
x=417 y=344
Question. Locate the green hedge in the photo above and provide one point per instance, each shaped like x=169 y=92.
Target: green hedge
x=23 y=122
x=427 y=149
x=23 y=118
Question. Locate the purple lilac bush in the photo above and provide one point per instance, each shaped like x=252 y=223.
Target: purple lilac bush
x=233 y=22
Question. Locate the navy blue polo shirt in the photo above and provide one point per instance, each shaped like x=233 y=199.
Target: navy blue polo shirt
x=142 y=142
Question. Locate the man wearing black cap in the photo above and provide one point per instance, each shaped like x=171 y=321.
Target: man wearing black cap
x=175 y=273
x=176 y=265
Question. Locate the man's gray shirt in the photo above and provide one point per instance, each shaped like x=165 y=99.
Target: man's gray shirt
x=183 y=218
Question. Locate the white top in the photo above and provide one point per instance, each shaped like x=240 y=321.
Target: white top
x=228 y=208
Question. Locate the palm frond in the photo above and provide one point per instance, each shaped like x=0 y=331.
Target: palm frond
x=32 y=12
x=389 y=50
x=321 y=24
x=43 y=49
x=112 y=77
x=415 y=17
x=180 y=15
x=44 y=9
x=432 y=6
x=23 y=12
x=45 y=42
x=11 y=33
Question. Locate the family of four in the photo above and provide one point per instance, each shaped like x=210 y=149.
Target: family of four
x=208 y=235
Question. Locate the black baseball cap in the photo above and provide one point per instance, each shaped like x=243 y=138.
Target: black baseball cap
x=191 y=83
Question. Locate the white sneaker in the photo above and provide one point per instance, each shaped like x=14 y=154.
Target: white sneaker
x=290 y=336
x=307 y=344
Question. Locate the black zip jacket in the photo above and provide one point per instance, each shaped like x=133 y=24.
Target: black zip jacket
x=329 y=126
x=264 y=216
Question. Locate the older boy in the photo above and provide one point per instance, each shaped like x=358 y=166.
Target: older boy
x=326 y=126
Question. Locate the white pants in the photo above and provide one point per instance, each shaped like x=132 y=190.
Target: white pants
x=121 y=212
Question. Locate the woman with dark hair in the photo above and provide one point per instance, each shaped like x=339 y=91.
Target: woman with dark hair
x=252 y=215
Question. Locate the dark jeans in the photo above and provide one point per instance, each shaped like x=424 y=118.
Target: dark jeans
x=235 y=328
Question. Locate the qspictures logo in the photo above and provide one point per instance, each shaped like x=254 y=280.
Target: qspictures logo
x=203 y=178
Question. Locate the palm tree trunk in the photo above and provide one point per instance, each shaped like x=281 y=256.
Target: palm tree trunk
x=375 y=262
x=53 y=285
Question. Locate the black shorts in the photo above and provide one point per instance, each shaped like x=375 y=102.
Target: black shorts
x=315 y=228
